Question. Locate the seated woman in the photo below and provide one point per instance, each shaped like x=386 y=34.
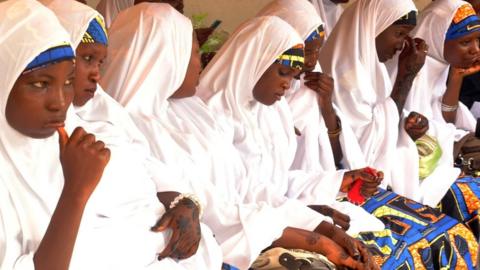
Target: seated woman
x=45 y=207
x=173 y=128
x=262 y=129
x=452 y=30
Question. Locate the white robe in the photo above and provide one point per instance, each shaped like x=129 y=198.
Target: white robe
x=314 y=152
x=111 y=8
x=115 y=229
x=184 y=134
x=329 y=12
x=363 y=88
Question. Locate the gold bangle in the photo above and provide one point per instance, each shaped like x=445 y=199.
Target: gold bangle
x=336 y=132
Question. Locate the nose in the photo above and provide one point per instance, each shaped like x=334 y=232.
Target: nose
x=475 y=48
x=56 y=100
x=95 y=74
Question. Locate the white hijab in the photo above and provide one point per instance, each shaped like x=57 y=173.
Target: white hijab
x=314 y=152
x=115 y=230
x=329 y=12
x=430 y=85
x=195 y=141
x=111 y=8
x=30 y=189
x=362 y=85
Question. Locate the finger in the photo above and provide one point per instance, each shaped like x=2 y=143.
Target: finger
x=87 y=140
x=76 y=135
x=172 y=246
x=342 y=216
x=343 y=224
x=62 y=138
x=98 y=145
x=352 y=250
x=411 y=44
x=352 y=263
x=163 y=223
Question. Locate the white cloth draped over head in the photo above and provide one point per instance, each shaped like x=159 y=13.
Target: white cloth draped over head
x=228 y=82
x=314 y=152
x=115 y=230
x=425 y=98
x=329 y=12
x=111 y=8
x=362 y=85
x=196 y=144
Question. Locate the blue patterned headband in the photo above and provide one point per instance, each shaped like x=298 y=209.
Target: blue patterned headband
x=293 y=57
x=96 y=32
x=465 y=22
x=51 y=56
x=316 y=34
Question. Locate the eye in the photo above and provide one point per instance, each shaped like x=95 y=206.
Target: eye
x=465 y=42
x=40 y=85
x=87 y=58
x=283 y=72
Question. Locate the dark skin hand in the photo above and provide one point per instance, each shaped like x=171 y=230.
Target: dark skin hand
x=311 y=241
x=416 y=125
x=323 y=85
x=338 y=218
x=370 y=182
x=184 y=221
x=410 y=62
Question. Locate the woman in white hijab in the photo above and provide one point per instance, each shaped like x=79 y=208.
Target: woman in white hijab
x=452 y=30
x=206 y=158
x=111 y=8
x=330 y=12
x=31 y=193
x=306 y=112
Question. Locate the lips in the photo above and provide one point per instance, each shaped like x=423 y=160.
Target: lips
x=56 y=122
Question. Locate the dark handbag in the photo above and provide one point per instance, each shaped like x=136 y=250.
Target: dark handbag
x=466 y=153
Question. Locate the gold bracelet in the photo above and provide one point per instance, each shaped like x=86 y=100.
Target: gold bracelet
x=336 y=132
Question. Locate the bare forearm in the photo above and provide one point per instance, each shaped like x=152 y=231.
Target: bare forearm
x=293 y=238
x=55 y=250
x=331 y=121
x=451 y=97
x=401 y=89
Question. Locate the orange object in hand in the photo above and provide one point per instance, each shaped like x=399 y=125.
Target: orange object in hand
x=63 y=136
x=354 y=194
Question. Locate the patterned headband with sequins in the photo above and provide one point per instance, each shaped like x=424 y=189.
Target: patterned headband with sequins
x=464 y=22
x=293 y=57
x=53 y=55
x=316 y=34
x=96 y=32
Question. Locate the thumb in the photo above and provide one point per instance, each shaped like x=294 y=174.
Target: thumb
x=62 y=138
x=163 y=223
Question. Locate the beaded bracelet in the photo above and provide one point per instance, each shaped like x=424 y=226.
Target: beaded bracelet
x=448 y=108
x=191 y=197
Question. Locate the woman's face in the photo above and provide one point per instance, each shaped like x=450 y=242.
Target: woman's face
x=39 y=100
x=274 y=82
x=463 y=52
x=192 y=77
x=89 y=60
x=390 y=41
x=312 y=53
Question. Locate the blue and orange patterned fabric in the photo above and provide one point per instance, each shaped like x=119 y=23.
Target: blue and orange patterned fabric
x=464 y=22
x=96 y=32
x=53 y=55
x=293 y=57
x=316 y=34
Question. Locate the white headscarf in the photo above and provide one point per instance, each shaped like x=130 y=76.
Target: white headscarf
x=30 y=189
x=425 y=97
x=115 y=229
x=195 y=141
x=314 y=152
x=430 y=85
x=110 y=9
x=362 y=85
x=329 y=12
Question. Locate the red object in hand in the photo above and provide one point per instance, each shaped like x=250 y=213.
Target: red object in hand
x=354 y=194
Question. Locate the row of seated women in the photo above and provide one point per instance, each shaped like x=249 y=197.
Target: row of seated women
x=119 y=152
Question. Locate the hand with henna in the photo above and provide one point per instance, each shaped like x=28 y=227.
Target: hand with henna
x=416 y=125
x=183 y=220
x=412 y=58
x=370 y=182
x=83 y=160
x=338 y=218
